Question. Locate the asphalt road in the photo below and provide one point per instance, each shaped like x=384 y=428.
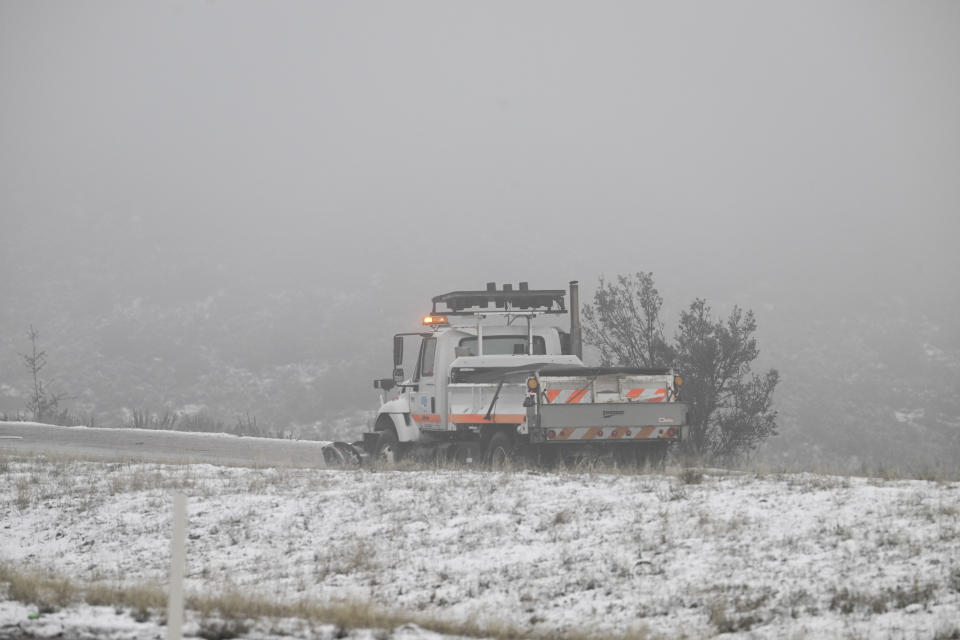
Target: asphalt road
x=158 y=446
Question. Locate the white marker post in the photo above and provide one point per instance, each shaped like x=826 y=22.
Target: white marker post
x=177 y=563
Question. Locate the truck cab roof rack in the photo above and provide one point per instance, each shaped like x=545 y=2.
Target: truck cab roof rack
x=463 y=303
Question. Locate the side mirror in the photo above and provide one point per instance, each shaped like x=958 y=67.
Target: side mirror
x=397 y=352
x=384 y=383
x=398 y=374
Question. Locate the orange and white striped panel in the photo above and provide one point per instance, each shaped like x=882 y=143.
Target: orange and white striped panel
x=570 y=434
x=640 y=394
x=470 y=418
x=567 y=396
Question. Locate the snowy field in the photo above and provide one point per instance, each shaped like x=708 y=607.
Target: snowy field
x=516 y=554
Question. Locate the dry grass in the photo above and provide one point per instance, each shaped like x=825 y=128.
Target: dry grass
x=232 y=612
x=46 y=592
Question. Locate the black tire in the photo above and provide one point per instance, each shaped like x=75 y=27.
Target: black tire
x=388 y=449
x=333 y=457
x=500 y=451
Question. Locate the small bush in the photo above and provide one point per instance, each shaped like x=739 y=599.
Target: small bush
x=144 y=419
x=64 y=418
x=675 y=492
x=727 y=622
x=202 y=422
x=691 y=476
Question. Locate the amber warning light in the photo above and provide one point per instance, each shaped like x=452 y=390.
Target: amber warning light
x=432 y=320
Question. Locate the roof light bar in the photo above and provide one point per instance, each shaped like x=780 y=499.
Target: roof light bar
x=524 y=298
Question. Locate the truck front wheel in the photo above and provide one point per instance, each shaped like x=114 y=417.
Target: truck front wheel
x=388 y=449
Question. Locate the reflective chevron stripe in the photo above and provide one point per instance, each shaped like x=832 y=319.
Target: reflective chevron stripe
x=611 y=433
x=568 y=396
x=647 y=395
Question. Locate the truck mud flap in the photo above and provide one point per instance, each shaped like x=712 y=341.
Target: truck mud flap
x=609 y=421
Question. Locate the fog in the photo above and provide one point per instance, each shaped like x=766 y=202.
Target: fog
x=798 y=158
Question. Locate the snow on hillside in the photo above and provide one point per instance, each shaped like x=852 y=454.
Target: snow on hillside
x=767 y=556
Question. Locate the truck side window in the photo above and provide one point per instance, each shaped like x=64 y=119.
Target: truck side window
x=505 y=345
x=427 y=355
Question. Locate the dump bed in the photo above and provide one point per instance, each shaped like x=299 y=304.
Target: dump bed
x=606 y=404
x=571 y=403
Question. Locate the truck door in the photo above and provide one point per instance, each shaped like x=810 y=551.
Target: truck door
x=424 y=405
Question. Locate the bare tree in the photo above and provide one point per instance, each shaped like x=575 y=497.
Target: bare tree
x=731 y=409
x=42 y=403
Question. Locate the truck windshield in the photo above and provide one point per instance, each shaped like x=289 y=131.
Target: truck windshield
x=504 y=345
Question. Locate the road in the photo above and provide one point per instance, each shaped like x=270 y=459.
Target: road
x=178 y=447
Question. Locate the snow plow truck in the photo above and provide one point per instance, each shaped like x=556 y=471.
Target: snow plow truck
x=489 y=380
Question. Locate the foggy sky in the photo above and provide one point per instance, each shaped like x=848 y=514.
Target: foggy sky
x=782 y=148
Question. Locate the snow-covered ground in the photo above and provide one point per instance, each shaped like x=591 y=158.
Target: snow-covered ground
x=551 y=554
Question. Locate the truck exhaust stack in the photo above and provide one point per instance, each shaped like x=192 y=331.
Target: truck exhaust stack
x=576 y=335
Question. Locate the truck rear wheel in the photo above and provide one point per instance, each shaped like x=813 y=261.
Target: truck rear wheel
x=500 y=451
